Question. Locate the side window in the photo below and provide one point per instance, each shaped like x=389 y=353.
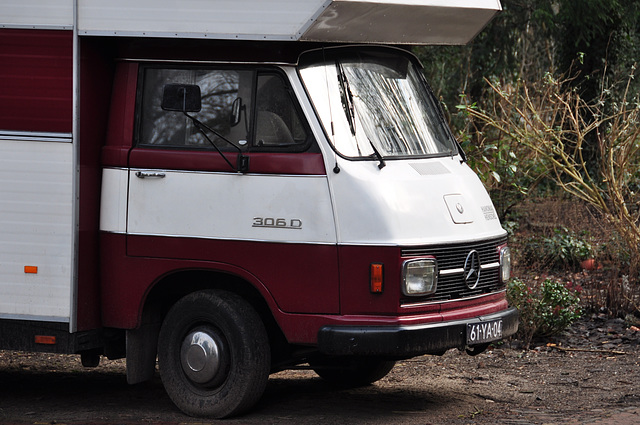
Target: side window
x=278 y=122
x=231 y=100
x=220 y=89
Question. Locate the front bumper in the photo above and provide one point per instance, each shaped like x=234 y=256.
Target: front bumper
x=406 y=341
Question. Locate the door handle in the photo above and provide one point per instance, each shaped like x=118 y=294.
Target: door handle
x=149 y=174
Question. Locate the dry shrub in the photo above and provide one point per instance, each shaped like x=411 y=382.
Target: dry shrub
x=605 y=285
x=557 y=125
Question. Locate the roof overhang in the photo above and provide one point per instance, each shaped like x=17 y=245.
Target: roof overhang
x=348 y=21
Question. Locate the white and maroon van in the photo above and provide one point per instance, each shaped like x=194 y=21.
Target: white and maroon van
x=235 y=188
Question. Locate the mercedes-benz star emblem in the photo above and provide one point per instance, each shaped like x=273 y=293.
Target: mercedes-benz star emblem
x=472 y=269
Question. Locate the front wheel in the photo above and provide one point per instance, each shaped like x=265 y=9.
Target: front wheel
x=213 y=353
x=351 y=371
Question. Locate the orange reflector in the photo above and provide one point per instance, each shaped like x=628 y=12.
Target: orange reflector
x=31 y=269
x=376 y=278
x=45 y=339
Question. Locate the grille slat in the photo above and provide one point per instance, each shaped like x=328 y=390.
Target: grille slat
x=449 y=257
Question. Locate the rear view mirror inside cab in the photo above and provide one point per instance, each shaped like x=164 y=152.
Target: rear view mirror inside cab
x=181 y=98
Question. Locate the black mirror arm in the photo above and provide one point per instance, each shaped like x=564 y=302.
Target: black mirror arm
x=243 y=161
x=463 y=155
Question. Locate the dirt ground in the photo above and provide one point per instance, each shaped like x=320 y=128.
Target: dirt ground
x=590 y=375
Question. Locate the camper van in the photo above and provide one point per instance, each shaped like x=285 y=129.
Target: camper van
x=223 y=190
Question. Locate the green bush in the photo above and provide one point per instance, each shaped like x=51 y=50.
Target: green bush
x=546 y=308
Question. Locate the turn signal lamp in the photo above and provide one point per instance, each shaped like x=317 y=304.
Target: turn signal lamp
x=377 y=278
x=31 y=269
x=45 y=339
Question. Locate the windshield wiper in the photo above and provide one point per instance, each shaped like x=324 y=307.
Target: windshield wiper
x=381 y=163
x=347 y=98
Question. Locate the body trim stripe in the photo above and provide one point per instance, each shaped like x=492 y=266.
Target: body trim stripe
x=36 y=27
x=461 y=270
x=426 y=303
x=279 y=241
x=34 y=318
x=29 y=136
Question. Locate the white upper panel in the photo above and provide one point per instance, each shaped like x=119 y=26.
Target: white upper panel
x=352 y=21
x=411 y=202
x=228 y=19
x=272 y=208
x=36 y=14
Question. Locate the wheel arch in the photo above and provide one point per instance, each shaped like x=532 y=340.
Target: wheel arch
x=141 y=342
x=178 y=283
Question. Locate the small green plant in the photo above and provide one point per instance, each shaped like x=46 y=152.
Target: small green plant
x=546 y=308
x=565 y=249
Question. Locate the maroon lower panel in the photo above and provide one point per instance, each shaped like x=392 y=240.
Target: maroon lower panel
x=293 y=278
x=306 y=286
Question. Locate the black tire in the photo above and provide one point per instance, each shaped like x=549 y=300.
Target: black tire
x=351 y=371
x=213 y=353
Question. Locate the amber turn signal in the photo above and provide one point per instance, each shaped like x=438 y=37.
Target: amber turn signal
x=45 y=339
x=376 y=277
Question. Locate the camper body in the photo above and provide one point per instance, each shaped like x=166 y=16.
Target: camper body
x=236 y=191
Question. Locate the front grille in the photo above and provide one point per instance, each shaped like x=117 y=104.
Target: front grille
x=451 y=259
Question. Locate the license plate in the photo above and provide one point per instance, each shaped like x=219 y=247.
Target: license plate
x=479 y=333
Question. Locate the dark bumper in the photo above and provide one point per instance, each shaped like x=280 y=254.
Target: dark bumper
x=406 y=341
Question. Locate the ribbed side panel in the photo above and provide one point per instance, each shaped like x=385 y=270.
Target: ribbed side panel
x=35 y=229
x=36 y=13
x=220 y=19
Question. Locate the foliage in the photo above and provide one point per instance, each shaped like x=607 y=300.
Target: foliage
x=564 y=250
x=516 y=43
x=509 y=170
x=531 y=38
x=554 y=123
x=595 y=41
x=596 y=38
x=527 y=129
x=546 y=308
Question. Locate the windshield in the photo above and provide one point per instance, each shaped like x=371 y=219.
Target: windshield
x=374 y=102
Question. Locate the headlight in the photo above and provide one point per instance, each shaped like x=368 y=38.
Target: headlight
x=505 y=264
x=419 y=277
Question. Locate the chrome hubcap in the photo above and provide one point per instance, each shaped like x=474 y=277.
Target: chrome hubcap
x=200 y=356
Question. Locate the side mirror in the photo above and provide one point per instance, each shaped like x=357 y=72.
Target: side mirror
x=236 y=111
x=181 y=98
